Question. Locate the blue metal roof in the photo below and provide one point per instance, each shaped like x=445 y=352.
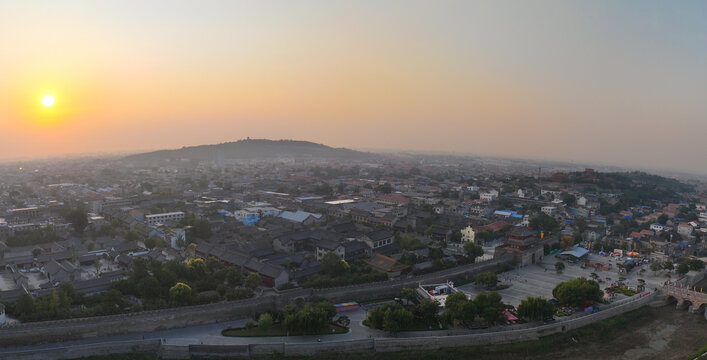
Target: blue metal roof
x=576 y=252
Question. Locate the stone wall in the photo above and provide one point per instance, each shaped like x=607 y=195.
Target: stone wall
x=499 y=335
x=79 y=351
x=71 y=329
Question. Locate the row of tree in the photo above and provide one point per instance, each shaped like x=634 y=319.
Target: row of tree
x=683 y=267
x=157 y=285
x=338 y=272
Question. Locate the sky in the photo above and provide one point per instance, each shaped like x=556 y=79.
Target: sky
x=586 y=81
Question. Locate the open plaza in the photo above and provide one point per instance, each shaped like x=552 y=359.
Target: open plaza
x=540 y=279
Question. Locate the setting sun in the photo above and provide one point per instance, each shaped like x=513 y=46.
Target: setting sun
x=47 y=100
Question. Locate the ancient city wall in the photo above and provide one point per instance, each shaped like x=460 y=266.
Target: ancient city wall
x=499 y=335
x=71 y=329
x=78 y=351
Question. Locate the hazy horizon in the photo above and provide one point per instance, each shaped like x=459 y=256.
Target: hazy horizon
x=620 y=84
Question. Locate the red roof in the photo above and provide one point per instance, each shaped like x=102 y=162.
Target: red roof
x=394 y=198
x=495 y=227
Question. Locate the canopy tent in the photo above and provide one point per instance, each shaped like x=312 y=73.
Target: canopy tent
x=576 y=252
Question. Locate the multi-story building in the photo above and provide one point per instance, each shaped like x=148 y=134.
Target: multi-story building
x=164 y=218
x=549 y=210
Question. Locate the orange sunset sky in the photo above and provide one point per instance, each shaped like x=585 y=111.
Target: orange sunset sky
x=600 y=81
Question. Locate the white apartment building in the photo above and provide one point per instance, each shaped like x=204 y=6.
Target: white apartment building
x=657 y=227
x=164 y=218
x=549 y=210
x=489 y=195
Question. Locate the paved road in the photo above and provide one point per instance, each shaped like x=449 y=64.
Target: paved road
x=211 y=334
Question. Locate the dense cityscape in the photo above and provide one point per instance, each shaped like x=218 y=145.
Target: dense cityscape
x=337 y=180
x=154 y=231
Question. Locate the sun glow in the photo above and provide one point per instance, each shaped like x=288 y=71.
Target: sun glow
x=47 y=100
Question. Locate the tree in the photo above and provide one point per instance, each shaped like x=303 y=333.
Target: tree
x=200 y=228
x=181 y=242
x=97 y=266
x=148 y=287
x=458 y=307
x=310 y=320
x=594 y=276
x=580 y=224
x=36 y=252
x=132 y=236
x=150 y=242
x=568 y=199
x=489 y=306
x=68 y=289
x=662 y=219
x=536 y=308
x=543 y=222
x=78 y=219
x=333 y=265
x=427 y=310
x=472 y=250
x=409 y=242
x=181 y=294
x=656 y=266
x=559 y=266
x=683 y=268
x=575 y=292
x=668 y=265
x=253 y=280
x=265 y=322
x=408 y=294
x=196 y=268
x=487 y=279
x=391 y=317
x=385 y=188
x=249 y=324
x=234 y=277
x=24 y=306
x=696 y=264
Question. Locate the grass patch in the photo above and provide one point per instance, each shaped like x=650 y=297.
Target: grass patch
x=625 y=291
x=277 y=330
x=698 y=353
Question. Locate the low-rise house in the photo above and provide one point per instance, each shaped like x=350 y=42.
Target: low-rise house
x=57 y=272
x=302 y=217
x=378 y=238
x=685 y=229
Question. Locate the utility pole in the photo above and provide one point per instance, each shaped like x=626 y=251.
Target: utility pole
x=540 y=186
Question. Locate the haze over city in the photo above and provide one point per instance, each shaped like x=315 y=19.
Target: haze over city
x=328 y=180
x=615 y=83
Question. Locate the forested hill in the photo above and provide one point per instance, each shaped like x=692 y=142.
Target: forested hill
x=635 y=187
x=257 y=149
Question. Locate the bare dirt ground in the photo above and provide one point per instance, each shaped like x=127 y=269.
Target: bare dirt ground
x=651 y=334
x=668 y=334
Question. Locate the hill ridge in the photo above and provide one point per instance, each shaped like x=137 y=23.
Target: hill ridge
x=252 y=149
